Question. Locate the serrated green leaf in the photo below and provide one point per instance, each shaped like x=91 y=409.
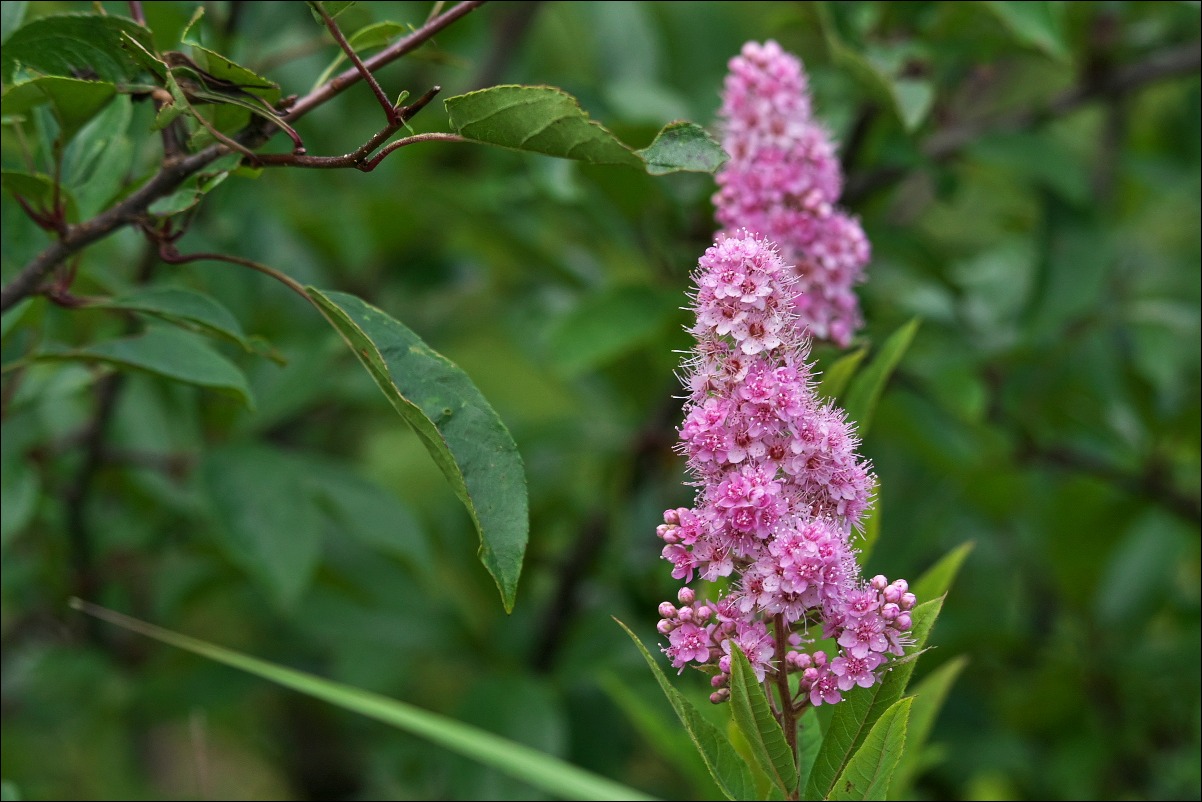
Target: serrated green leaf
x=168 y=353
x=72 y=101
x=761 y=729
x=938 y=579
x=547 y=120
x=870 y=770
x=729 y=770
x=861 y=707
x=84 y=46
x=608 y=325
x=868 y=385
x=836 y=377
x=267 y=519
x=180 y=305
x=517 y=760
x=682 y=145
x=38 y=190
x=462 y=432
x=1034 y=23
x=929 y=695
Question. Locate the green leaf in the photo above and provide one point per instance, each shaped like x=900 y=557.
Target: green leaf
x=96 y=164
x=196 y=186
x=188 y=307
x=168 y=353
x=871 y=768
x=38 y=190
x=929 y=695
x=8 y=789
x=754 y=718
x=836 y=377
x=526 y=764
x=73 y=101
x=547 y=120
x=861 y=707
x=809 y=741
x=332 y=7
x=868 y=385
x=13 y=315
x=937 y=580
x=463 y=434
x=1034 y=23
x=608 y=325
x=84 y=46
x=268 y=520
x=729 y=770
x=225 y=70
x=371 y=36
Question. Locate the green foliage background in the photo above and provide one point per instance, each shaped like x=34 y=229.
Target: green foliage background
x=1047 y=411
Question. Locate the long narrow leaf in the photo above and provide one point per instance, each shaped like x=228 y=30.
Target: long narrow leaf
x=939 y=577
x=462 y=432
x=871 y=768
x=867 y=386
x=729 y=770
x=517 y=760
x=759 y=726
x=929 y=695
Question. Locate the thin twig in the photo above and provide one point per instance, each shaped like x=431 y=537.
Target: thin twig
x=132 y=210
x=390 y=113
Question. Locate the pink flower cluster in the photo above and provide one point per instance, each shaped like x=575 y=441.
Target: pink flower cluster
x=783 y=181
x=780 y=489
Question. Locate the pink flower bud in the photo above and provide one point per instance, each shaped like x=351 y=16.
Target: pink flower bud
x=664 y=626
x=890 y=611
x=667 y=610
x=686 y=596
x=879 y=582
x=720 y=696
x=902 y=622
x=908 y=600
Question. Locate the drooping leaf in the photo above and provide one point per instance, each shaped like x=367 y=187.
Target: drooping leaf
x=836 y=377
x=754 y=718
x=725 y=766
x=85 y=46
x=517 y=760
x=866 y=388
x=547 y=120
x=462 y=432
x=870 y=770
x=861 y=707
x=929 y=695
x=938 y=579
x=610 y=324
x=240 y=80
x=72 y=100
x=177 y=304
x=170 y=353
x=268 y=521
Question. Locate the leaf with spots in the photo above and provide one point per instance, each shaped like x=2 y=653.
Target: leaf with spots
x=459 y=428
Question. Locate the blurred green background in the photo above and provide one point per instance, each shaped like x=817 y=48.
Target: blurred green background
x=1028 y=175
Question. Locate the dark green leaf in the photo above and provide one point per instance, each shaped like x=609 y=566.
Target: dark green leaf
x=929 y=695
x=547 y=120
x=73 y=101
x=729 y=770
x=12 y=14
x=761 y=729
x=166 y=352
x=463 y=434
x=608 y=325
x=866 y=388
x=861 y=707
x=870 y=770
x=268 y=521
x=97 y=162
x=517 y=760
x=19 y=489
x=74 y=46
x=836 y=377
x=938 y=579
x=180 y=305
